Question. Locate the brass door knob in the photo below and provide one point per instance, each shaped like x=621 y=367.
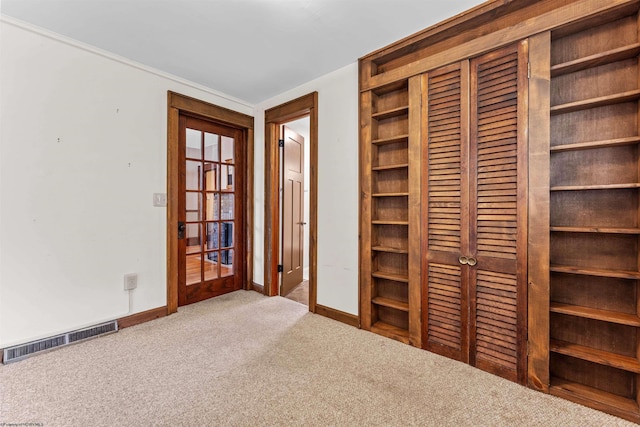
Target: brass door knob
x=463 y=260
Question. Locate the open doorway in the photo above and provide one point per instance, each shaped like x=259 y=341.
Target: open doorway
x=294 y=113
x=294 y=209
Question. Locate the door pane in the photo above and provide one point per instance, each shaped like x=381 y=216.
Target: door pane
x=211 y=177
x=227 y=206
x=227 y=150
x=226 y=262
x=212 y=235
x=226 y=235
x=213 y=206
x=194 y=242
x=227 y=178
x=193 y=206
x=193 y=177
x=194 y=268
x=211 y=147
x=211 y=266
x=194 y=144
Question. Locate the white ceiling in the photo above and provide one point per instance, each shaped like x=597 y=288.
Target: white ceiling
x=250 y=49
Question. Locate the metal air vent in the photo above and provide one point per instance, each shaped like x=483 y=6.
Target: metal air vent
x=22 y=351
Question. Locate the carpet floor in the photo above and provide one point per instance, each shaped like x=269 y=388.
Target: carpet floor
x=246 y=360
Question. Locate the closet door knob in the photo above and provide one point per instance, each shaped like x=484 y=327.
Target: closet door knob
x=472 y=261
x=463 y=260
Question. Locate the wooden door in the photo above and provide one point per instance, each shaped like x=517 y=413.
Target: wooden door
x=292 y=210
x=210 y=210
x=445 y=193
x=474 y=191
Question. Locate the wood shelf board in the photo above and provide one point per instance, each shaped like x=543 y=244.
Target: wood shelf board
x=596 y=314
x=391 y=303
x=604 y=230
x=394 y=112
x=595 y=187
x=399 y=194
x=389 y=222
x=601 y=357
x=400 y=85
x=602 y=58
x=586 y=271
x=596 y=144
x=391 y=331
x=396 y=166
x=595 y=102
x=391 y=140
x=390 y=276
x=593 y=397
x=390 y=249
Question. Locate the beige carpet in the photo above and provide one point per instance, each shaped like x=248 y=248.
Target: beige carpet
x=245 y=360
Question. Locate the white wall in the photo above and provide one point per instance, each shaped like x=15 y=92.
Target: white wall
x=337 y=186
x=82 y=150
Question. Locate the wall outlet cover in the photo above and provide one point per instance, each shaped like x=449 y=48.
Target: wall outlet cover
x=130 y=281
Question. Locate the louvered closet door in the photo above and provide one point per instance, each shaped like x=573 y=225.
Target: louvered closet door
x=474 y=211
x=498 y=195
x=445 y=203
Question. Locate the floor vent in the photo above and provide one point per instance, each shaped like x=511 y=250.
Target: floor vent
x=19 y=352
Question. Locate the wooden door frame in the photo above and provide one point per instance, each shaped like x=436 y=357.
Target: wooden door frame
x=306 y=105
x=180 y=104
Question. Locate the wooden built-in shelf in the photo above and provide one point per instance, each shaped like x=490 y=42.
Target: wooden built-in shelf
x=400 y=85
x=596 y=144
x=390 y=167
x=605 y=230
x=618 y=98
x=596 y=314
x=394 y=112
x=391 y=276
x=390 y=331
x=390 y=249
x=589 y=396
x=595 y=187
x=398 y=194
x=389 y=222
x=598 y=272
x=600 y=357
x=613 y=55
x=391 y=140
x=391 y=303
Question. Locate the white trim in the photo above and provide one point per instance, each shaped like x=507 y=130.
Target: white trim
x=112 y=56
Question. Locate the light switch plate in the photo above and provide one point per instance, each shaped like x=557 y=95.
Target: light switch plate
x=159 y=199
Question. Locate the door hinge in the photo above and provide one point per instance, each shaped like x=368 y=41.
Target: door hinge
x=281 y=143
x=280 y=268
x=528 y=70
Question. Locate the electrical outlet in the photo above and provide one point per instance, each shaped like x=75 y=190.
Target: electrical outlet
x=130 y=281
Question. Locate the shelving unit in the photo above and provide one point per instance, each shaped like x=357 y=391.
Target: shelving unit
x=386 y=217
x=594 y=211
